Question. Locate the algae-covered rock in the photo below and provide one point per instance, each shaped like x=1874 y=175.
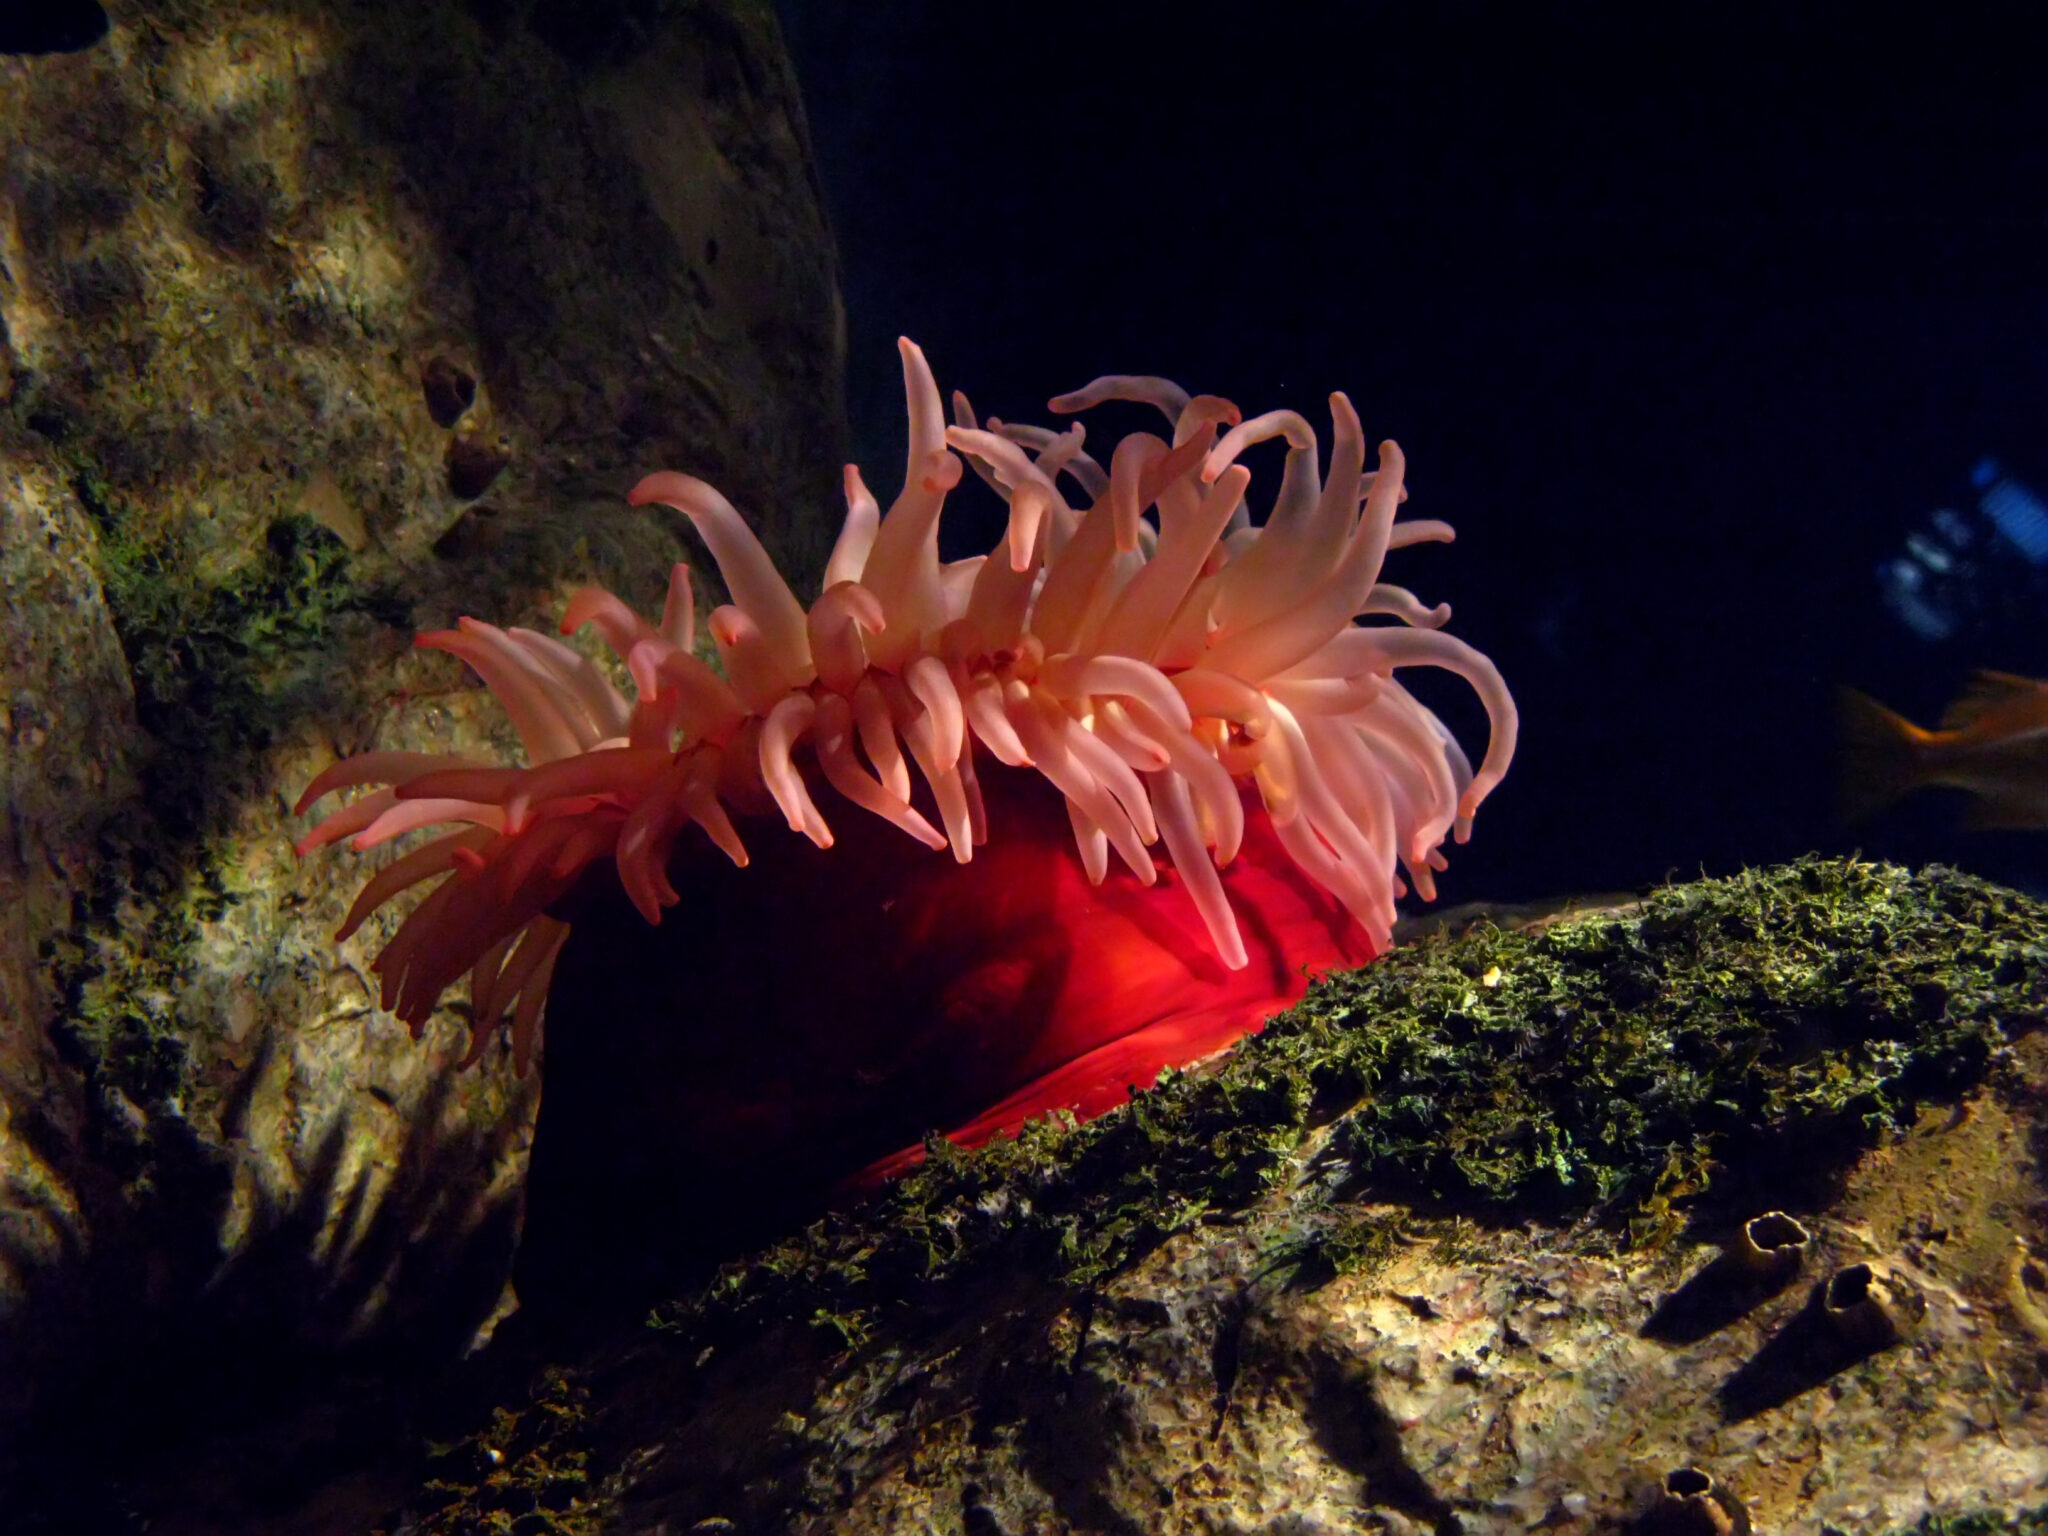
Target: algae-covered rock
x=1439 y=1251
x=322 y=323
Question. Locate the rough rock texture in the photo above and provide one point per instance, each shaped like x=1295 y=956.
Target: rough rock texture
x=321 y=323
x=1440 y=1251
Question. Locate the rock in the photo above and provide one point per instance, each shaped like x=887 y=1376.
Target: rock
x=1406 y=1262
x=271 y=271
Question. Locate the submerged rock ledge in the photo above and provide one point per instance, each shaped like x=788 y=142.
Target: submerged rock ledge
x=1437 y=1251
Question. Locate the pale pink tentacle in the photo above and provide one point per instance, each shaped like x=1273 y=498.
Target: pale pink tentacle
x=1405 y=606
x=376 y=768
x=534 y=991
x=1209 y=783
x=624 y=773
x=1127 y=466
x=1265 y=578
x=1146 y=607
x=1324 y=534
x=1084 y=471
x=487 y=786
x=347 y=821
x=1168 y=396
x=902 y=569
x=932 y=686
x=1041 y=727
x=779 y=732
x=1326 y=695
x=983 y=707
x=708 y=709
x=1072 y=578
x=647 y=839
x=1224 y=697
x=1115 y=775
x=1298 y=625
x=620 y=626
x=857 y=534
x=679 y=610
x=709 y=813
x=1032 y=495
x=878 y=739
x=423 y=863
x=605 y=711
x=1113 y=725
x=1090 y=842
x=749 y=661
x=1371 y=866
x=1342 y=754
x=543 y=730
x=832 y=732
x=948 y=788
x=750 y=576
x=411 y=815
x=1077 y=677
x=1182 y=835
x=977 y=812
x=1420 y=530
x=1428 y=648
x=837 y=618
x=483 y=982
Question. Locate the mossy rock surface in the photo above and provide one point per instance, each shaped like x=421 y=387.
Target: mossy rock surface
x=1436 y=1251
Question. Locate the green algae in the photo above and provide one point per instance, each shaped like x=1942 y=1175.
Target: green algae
x=523 y=1476
x=1629 y=1071
x=2026 y=1522
x=1621 y=1067
x=1613 y=1064
x=218 y=668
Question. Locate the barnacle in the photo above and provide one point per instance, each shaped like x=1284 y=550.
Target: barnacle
x=1148 y=651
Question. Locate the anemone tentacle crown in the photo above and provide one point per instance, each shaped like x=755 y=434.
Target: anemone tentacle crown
x=1147 y=652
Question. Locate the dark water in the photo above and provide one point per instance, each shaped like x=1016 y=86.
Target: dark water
x=1686 y=317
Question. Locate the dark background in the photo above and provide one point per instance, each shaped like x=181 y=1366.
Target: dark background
x=1685 y=318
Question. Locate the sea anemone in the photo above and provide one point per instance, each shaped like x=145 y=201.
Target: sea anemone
x=1163 y=661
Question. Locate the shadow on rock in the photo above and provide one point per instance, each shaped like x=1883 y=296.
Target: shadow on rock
x=148 y=1379
x=1858 y=1311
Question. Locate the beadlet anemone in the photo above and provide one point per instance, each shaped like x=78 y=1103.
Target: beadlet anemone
x=1162 y=771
